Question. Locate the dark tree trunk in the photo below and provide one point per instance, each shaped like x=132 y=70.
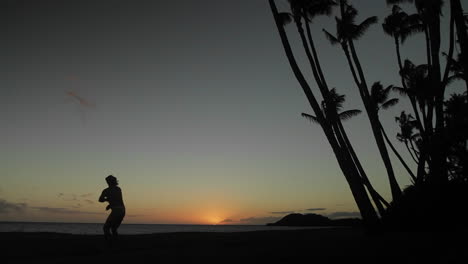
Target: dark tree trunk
x=462 y=35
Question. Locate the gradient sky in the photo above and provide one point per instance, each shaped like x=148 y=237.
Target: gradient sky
x=192 y=106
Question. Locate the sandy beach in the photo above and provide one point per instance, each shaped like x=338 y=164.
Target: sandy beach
x=335 y=245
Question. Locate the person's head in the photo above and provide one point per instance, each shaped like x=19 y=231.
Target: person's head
x=112 y=181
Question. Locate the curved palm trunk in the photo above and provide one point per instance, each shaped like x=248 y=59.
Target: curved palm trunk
x=340 y=133
x=462 y=34
x=409 y=151
x=314 y=52
x=374 y=121
x=376 y=197
x=411 y=97
x=438 y=159
x=413 y=177
x=320 y=82
x=359 y=193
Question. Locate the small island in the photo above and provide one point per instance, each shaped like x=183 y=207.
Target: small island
x=315 y=220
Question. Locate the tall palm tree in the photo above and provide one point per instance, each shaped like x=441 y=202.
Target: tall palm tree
x=328 y=126
x=400 y=26
x=336 y=102
x=347 y=32
x=430 y=12
x=303 y=12
x=381 y=100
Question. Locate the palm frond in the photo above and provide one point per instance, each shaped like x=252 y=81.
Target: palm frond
x=323 y=7
x=346 y=115
x=400 y=90
x=333 y=40
x=388 y=27
x=364 y=26
x=410 y=31
x=311 y=118
x=454 y=78
x=336 y=99
x=390 y=103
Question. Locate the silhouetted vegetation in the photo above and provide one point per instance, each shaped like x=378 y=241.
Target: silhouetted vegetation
x=434 y=129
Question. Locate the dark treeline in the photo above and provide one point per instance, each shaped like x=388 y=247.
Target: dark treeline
x=434 y=129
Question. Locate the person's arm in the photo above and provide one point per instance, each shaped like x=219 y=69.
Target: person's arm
x=103 y=197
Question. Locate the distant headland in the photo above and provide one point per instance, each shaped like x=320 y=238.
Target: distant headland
x=315 y=220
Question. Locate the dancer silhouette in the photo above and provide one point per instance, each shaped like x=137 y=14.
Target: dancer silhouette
x=113 y=195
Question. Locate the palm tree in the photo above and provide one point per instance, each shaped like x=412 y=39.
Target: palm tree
x=348 y=31
x=380 y=98
x=400 y=26
x=303 y=12
x=328 y=125
x=430 y=12
x=407 y=135
x=336 y=102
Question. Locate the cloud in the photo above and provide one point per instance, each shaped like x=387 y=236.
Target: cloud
x=89 y=201
x=283 y=213
x=7 y=207
x=226 y=221
x=345 y=215
x=316 y=209
x=259 y=220
x=67 y=197
x=55 y=210
x=73 y=197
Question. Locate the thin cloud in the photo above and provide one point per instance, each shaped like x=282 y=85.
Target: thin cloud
x=259 y=220
x=7 y=207
x=316 y=209
x=73 y=197
x=67 y=197
x=345 y=215
x=55 y=210
x=227 y=221
x=79 y=99
x=89 y=201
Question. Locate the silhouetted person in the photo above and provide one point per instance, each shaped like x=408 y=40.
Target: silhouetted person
x=113 y=195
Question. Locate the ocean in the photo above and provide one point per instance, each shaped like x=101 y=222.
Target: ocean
x=133 y=229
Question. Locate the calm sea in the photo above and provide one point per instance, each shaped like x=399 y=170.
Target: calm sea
x=132 y=229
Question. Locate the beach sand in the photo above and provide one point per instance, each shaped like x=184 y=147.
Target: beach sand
x=336 y=245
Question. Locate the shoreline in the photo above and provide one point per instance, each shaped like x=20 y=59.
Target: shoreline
x=335 y=244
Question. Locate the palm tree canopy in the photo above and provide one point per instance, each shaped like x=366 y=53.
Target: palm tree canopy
x=334 y=103
x=309 y=9
x=416 y=79
x=380 y=95
x=346 y=27
x=407 y=125
x=400 y=25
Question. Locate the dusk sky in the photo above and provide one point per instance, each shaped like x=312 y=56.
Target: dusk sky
x=192 y=105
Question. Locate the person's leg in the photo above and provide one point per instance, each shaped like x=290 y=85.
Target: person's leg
x=108 y=226
x=117 y=220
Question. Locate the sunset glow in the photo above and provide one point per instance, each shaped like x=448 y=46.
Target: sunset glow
x=200 y=125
